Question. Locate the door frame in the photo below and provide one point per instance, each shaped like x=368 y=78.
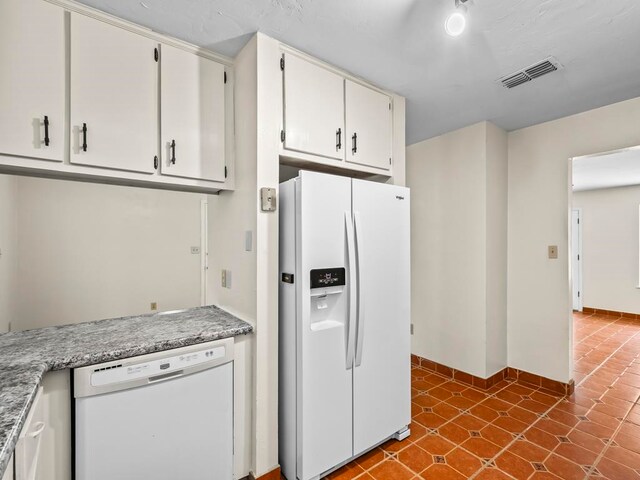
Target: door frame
x=577 y=278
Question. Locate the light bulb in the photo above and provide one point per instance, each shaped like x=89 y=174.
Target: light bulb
x=455 y=24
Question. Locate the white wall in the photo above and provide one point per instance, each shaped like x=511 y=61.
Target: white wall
x=539 y=295
x=8 y=251
x=610 y=247
x=91 y=251
x=458 y=223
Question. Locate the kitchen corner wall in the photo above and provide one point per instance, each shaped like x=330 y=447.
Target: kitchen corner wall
x=458 y=187
x=609 y=221
x=8 y=250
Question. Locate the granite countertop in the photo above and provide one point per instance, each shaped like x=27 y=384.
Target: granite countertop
x=26 y=356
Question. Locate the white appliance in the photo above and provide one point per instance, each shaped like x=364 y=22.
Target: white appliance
x=161 y=416
x=344 y=320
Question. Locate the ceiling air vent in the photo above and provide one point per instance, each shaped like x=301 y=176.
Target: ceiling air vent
x=534 y=71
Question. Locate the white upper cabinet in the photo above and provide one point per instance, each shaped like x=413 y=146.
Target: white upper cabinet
x=192 y=115
x=32 y=79
x=369 y=126
x=114 y=97
x=313 y=109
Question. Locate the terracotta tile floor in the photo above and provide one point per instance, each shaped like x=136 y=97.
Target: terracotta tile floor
x=516 y=432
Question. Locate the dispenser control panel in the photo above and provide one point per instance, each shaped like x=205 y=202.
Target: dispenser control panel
x=328 y=277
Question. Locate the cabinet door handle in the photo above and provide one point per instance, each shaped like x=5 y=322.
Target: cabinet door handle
x=173 y=152
x=354 y=140
x=339 y=139
x=84 y=137
x=46 y=131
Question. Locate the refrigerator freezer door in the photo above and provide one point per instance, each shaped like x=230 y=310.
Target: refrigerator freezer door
x=382 y=391
x=324 y=397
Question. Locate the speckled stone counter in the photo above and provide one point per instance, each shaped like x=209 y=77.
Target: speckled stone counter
x=26 y=356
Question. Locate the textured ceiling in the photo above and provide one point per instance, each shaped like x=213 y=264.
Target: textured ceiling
x=614 y=169
x=400 y=45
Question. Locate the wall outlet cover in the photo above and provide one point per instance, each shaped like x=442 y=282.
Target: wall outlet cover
x=553 y=251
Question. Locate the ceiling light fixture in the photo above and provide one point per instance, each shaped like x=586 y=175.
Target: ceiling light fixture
x=456 y=21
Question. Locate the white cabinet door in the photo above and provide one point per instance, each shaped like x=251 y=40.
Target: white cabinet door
x=192 y=125
x=32 y=79
x=114 y=94
x=369 y=126
x=27 y=453
x=8 y=473
x=313 y=109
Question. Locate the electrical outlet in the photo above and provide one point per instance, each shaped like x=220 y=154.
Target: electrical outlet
x=553 y=251
x=195 y=250
x=154 y=306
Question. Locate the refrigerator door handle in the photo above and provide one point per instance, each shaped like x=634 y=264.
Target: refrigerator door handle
x=360 y=310
x=351 y=318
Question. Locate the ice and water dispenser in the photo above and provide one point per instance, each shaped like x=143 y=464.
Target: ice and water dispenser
x=328 y=305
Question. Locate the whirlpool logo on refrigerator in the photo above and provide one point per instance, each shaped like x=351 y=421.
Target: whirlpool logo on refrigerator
x=399 y=197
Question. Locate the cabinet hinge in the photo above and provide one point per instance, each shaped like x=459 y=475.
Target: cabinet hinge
x=155 y=162
x=282 y=135
x=578 y=221
x=389 y=160
x=225 y=77
x=389 y=105
x=578 y=294
x=578 y=257
x=156 y=54
x=282 y=63
x=225 y=171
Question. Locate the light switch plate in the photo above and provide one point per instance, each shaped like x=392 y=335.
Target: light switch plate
x=268 y=199
x=553 y=251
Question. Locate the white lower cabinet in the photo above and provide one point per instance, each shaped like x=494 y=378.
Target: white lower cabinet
x=369 y=126
x=8 y=473
x=32 y=79
x=192 y=96
x=114 y=97
x=27 y=452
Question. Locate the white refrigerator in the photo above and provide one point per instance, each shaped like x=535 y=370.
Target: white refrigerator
x=344 y=332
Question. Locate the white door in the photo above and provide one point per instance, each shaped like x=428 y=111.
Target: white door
x=114 y=97
x=192 y=125
x=313 y=109
x=369 y=126
x=32 y=79
x=381 y=379
x=324 y=394
x=576 y=259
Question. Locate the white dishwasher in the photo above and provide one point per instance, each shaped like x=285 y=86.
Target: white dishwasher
x=162 y=416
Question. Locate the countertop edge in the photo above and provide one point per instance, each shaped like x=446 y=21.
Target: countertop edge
x=8 y=448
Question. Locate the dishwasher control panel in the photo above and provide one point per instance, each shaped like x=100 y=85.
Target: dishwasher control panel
x=161 y=368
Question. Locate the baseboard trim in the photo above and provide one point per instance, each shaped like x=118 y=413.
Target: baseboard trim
x=507 y=373
x=611 y=313
x=272 y=475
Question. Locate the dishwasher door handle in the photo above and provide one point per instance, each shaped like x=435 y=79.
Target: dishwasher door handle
x=166 y=376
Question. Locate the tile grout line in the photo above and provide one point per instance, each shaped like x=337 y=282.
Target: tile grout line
x=494 y=458
x=615 y=432
x=460 y=413
x=395 y=455
x=556 y=404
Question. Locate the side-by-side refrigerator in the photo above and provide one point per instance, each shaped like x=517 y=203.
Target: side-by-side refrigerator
x=344 y=338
